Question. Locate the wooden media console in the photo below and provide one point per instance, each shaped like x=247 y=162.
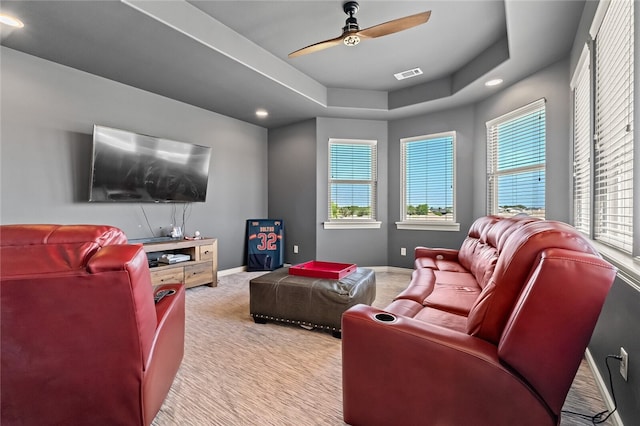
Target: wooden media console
x=201 y=269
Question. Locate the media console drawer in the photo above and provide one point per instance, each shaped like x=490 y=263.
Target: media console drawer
x=202 y=268
x=206 y=252
x=166 y=276
x=198 y=274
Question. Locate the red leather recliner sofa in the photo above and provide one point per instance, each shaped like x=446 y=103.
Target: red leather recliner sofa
x=490 y=334
x=82 y=342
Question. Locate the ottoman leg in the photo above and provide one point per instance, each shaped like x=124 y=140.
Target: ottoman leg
x=337 y=334
x=259 y=320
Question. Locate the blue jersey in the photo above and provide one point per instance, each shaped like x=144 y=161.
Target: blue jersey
x=264 y=244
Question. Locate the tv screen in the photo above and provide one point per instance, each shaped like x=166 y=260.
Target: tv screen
x=132 y=167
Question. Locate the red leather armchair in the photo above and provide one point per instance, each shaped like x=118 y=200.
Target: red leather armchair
x=491 y=334
x=82 y=341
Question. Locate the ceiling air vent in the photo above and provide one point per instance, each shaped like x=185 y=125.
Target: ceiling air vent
x=408 y=74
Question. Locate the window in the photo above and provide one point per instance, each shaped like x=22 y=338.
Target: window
x=603 y=94
x=352 y=183
x=581 y=94
x=613 y=159
x=428 y=182
x=516 y=162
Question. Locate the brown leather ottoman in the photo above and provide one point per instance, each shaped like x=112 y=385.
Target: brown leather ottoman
x=310 y=302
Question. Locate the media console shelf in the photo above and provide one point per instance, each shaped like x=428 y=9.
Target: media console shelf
x=201 y=269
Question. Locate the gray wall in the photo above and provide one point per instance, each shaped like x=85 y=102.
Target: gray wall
x=48 y=113
x=552 y=84
x=618 y=327
x=289 y=155
x=471 y=153
x=292 y=187
x=365 y=247
x=298 y=184
x=461 y=120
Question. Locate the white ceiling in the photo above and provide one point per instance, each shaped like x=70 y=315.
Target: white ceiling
x=231 y=56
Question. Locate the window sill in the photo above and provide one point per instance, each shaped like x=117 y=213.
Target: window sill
x=428 y=226
x=628 y=267
x=352 y=225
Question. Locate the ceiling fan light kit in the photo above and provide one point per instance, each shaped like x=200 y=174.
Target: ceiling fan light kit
x=352 y=35
x=351 y=40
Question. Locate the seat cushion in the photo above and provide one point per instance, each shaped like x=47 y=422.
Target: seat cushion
x=455 y=278
x=442 y=318
x=457 y=299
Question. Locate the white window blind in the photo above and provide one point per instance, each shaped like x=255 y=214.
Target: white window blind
x=613 y=180
x=516 y=157
x=352 y=179
x=581 y=87
x=428 y=172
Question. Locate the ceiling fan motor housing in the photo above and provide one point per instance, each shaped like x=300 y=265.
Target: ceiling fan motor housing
x=351 y=25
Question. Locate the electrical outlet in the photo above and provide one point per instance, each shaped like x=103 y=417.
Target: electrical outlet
x=624 y=363
x=403 y=251
x=295 y=249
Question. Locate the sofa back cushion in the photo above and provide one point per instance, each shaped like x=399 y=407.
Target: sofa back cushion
x=80 y=256
x=29 y=249
x=475 y=246
x=516 y=260
x=491 y=243
x=498 y=235
x=484 y=264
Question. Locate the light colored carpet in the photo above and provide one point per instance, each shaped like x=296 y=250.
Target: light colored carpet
x=236 y=372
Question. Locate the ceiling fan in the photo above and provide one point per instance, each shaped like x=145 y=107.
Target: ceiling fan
x=352 y=34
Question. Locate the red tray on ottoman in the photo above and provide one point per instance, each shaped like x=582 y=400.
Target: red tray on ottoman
x=317 y=269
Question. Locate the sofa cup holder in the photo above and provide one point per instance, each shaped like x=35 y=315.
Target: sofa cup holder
x=385 y=317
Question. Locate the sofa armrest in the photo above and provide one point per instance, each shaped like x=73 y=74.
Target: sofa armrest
x=565 y=293
x=436 y=253
x=167 y=349
x=410 y=372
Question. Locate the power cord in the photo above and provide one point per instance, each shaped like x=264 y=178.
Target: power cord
x=186 y=212
x=147 y=219
x=597 y=418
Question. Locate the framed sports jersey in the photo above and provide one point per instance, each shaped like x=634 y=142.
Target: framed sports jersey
x=265 y=240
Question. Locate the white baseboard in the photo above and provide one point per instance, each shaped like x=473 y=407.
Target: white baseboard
x=602 y=387
x=231 y=271
x=390 y=269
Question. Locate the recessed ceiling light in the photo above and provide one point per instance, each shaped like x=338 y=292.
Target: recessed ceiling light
x=262 y=113
x=10 y=20
x=493 y=82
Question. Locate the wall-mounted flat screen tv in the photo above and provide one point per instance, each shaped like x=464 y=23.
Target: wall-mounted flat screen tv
x=130 y=167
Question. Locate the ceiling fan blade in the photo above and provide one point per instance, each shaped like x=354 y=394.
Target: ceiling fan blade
x=317 y=46
x=396 y=25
